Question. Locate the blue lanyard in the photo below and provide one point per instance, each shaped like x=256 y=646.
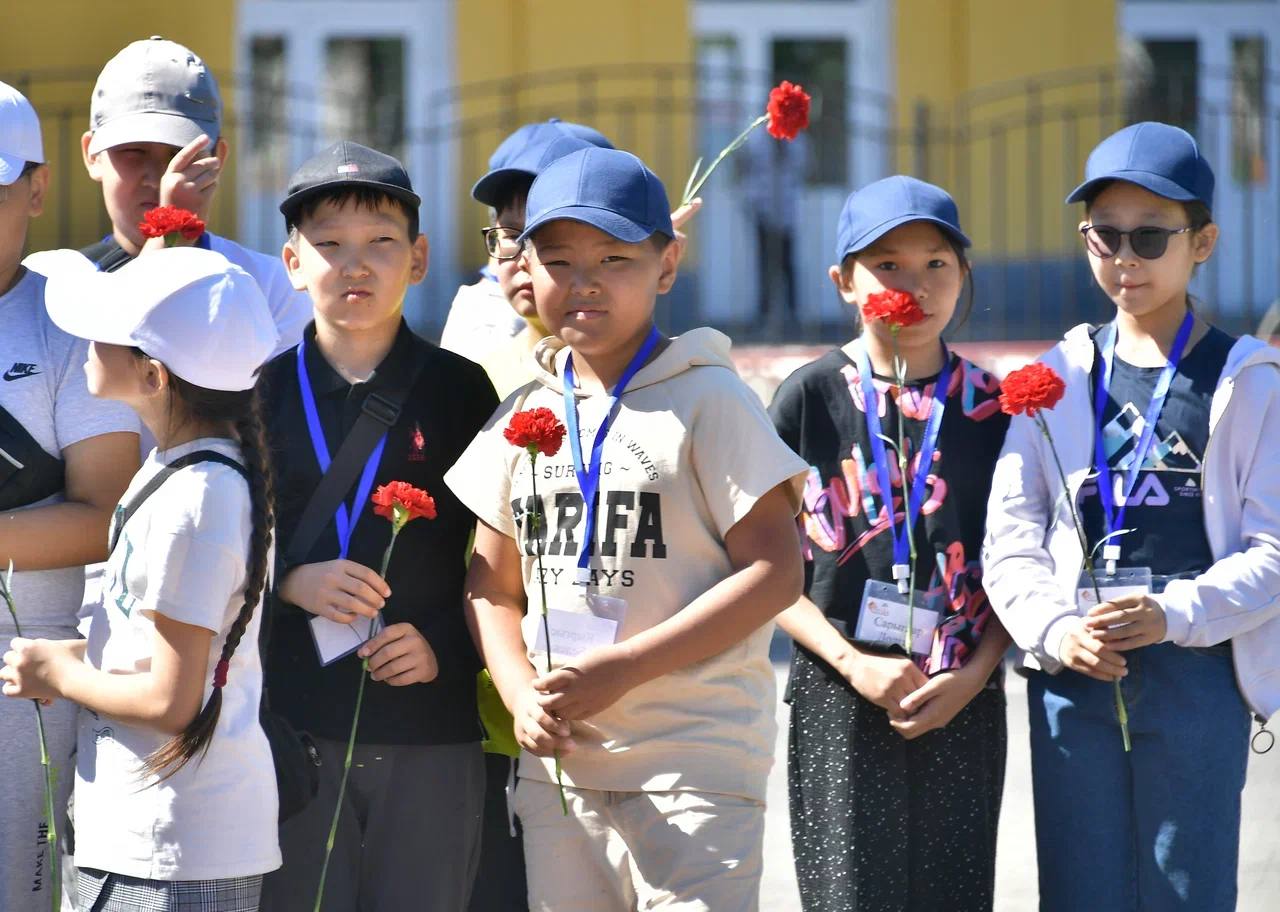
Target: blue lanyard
x=928 y=445
x=589 y=475
x=344 y=520
x=1113 y=518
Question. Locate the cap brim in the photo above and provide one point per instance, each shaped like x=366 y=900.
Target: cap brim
x=291 y=202
x=79 y=302
x=867 y=238
x=489 y=189
x=150 y=126
x=10 y=168
x=1156 y=183
x=609 y=222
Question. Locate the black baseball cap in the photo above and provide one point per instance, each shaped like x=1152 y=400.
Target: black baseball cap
x=348 y=164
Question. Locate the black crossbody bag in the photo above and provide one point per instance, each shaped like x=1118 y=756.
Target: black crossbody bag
x=294 y=755
x=27 y=473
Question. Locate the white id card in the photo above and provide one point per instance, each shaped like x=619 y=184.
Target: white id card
x=1125 y=581
x=882 y=619
x=334 y=640
x=576 y=632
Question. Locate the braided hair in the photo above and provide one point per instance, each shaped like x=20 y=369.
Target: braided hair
x=244 y=410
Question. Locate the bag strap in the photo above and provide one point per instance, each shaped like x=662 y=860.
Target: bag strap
x=106 y=254
x=160 y=478
x=378 y=414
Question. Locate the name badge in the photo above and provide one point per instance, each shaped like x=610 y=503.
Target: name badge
x=882 y=619
x=576 y=632
x=335 y=641
x=1124 y=581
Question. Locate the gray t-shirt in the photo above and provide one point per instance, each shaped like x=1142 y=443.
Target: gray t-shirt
x=44 y=388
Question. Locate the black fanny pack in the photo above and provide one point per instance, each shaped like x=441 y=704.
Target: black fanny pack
x=27 y=473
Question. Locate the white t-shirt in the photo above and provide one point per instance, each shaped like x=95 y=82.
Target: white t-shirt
x=290 y=308
x=690 y=451
x=183 y=554
x=480 y=321
x=45 y=390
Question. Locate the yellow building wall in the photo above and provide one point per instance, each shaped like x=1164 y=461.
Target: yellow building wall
x=1017 y=95
x=624 y=67
x=52 y=50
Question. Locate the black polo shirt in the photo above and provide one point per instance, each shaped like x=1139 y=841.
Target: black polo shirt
x=448 y=404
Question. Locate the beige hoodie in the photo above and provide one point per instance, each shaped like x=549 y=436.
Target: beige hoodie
x=690 y=451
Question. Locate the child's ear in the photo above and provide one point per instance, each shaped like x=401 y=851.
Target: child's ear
x=1203 y=242
x=90 y=160
x=289 y=254
x=843 y=284
x=39 y=187
x=670 y=265
x=421 y=259
x=155 y=377
x=221 y=150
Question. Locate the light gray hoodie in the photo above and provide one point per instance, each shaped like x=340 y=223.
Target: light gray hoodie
x=1032 y=558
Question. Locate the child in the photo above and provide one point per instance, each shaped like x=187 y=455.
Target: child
x=409 y=836
x=75 y=455
x=664 y=723
x=1195 y=648
x=488 y=314
x=879 y=819
x=175 y=803
x=164 y=147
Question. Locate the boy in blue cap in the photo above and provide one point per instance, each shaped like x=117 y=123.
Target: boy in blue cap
x=486 y=315
x=667 y=544
x=1194 y=637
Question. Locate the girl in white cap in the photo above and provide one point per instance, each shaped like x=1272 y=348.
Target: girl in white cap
x=175 y=786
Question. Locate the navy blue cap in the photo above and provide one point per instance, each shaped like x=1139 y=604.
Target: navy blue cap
x=523 y=155
x=348 y=164
x=875 y=210
x=605 y=188
x=1155 y=156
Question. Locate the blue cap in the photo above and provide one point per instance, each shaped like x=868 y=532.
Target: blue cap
x=523 y=155
x=875 y=210
x=605 y=188
x=1156 y=157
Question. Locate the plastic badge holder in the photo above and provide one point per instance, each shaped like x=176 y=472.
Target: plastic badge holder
x=576 y=632
x=1124 y=581
x=335 y=641
x=882 y=617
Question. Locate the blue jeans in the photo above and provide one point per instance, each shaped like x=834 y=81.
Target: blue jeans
x=1155 y=829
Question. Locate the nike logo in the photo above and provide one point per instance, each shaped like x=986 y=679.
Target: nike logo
x=20 y=370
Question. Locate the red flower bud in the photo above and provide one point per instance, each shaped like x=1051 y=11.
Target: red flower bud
x=537 y=430
x=1030 y=389
x=788 y=111
x=895 y=308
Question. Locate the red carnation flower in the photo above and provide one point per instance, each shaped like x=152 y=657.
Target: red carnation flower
x=788 y=110
x=166 y=220
x=896 y=308
x=401 y=502
x=1029 y=389
x=537 y=430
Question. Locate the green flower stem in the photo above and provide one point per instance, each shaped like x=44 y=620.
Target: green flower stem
x=50 y=773
x=1122 y=711
x=900 y=374
x=398 y=523
x=695 y=184
x=535 y=520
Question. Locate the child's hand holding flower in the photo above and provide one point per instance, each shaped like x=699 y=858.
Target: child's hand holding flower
x=587 y=686
x=1128 y=622
x=31 y=668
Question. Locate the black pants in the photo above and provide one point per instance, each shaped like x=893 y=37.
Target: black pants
x=773 y=256
x=883 y=824
x=500 y=884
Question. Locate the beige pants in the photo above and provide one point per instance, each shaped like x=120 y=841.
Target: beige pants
x=625 y=851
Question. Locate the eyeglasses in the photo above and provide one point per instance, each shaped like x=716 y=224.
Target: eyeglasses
x=1149 y=242
x=502 y=243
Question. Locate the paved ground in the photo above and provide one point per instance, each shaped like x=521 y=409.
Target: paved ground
x=1016 y=859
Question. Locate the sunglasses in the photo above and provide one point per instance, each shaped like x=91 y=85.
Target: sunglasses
x=1149 y=242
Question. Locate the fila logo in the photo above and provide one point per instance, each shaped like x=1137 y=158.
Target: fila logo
x=21 y=369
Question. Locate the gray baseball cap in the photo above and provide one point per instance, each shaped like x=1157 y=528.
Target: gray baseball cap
x=154 y=90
